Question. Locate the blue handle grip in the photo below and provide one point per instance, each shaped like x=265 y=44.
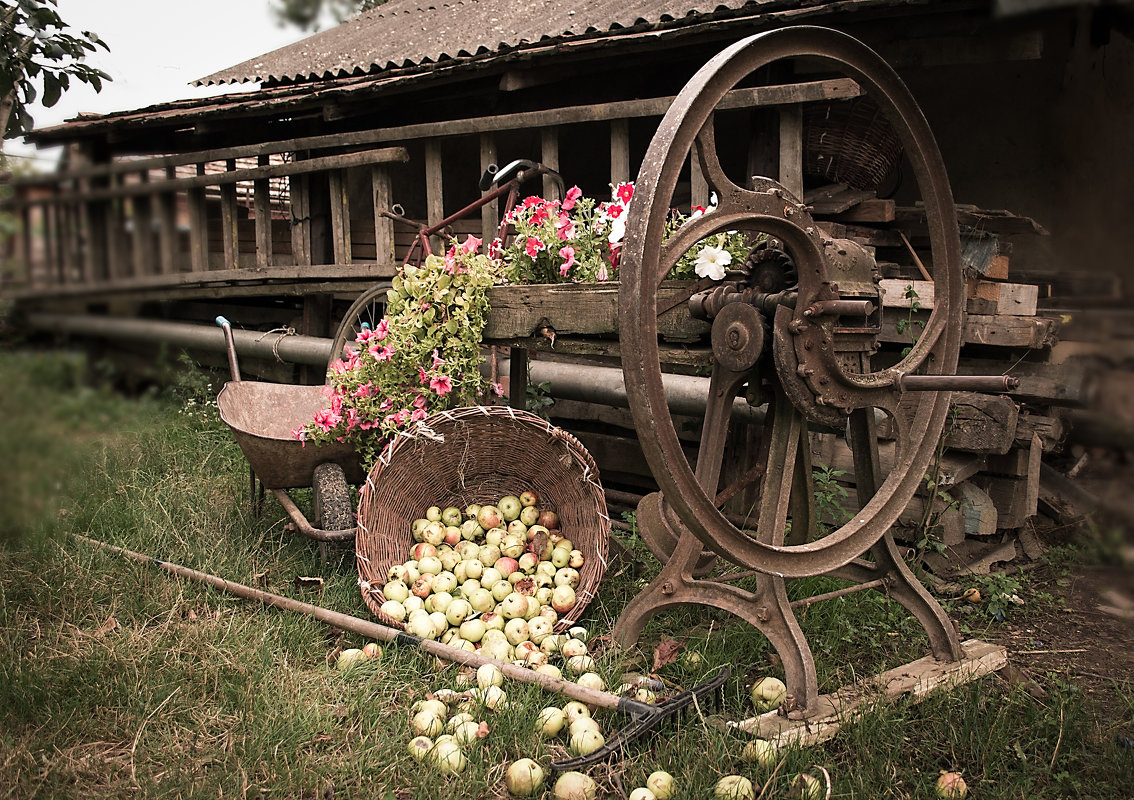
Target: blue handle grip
x=221 y=321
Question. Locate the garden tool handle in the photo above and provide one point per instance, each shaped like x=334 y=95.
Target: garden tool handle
x=230 y=345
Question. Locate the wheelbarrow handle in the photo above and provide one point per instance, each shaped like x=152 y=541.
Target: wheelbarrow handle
x=230 y=345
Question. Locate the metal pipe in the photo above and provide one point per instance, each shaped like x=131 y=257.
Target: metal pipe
x=292 y=348
x=686 y=394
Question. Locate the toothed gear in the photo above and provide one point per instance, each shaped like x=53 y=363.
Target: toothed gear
x=770 y=267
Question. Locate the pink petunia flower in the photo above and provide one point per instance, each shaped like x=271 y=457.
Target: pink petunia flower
x=363 y=336
x=380 y=352
x=471 y=245
x=442 y=385
x=533 y=246
x=498 y=389
x=421 y=376
x=602 y=275
x=437 y=360
x=568 y=256
x=418 y=415
x=573 y=194
x=564 y=228
x=382 y=330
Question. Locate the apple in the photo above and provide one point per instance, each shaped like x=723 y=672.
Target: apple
x=420 y=587
x=548 y=519
x=528 y=563
x=560 y=558
x=418 y=527
x=506 y=565
x=489 y=517
x=452 y=516
x=472 y=630
x=501 y=590
x=529 y=498
x=470 y=530
x=421 y=550
x=493 y=621
x=471 y=510
x=372 y=650
x=473 y=568
x=529 y=515
x=430 y=565
x=434 y=533
x=481 y=600
x=433 y=513
x=438 y=601
x=452 y=535
x=513 y=606
x=458 y=611
x=517 y=528
x=510 y=507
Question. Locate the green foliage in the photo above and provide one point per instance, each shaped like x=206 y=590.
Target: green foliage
x=539 y=400
x=423 y=357
x=830 y=494
x=36 y=46
x=909 y=322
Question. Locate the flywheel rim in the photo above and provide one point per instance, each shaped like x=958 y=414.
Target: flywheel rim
x=661 y=167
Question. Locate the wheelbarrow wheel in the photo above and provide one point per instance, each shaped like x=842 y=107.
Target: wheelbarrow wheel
x=332 y=507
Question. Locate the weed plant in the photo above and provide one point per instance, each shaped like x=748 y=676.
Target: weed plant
x=117 y=680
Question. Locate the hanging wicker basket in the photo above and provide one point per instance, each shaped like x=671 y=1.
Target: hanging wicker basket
x=849 y=142
x=478 y=455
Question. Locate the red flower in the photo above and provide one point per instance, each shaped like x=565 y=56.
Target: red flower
x=573 y=194
x=533 y=247
x=625 y=192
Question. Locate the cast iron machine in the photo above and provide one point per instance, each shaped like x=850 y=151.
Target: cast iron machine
x=801 y=341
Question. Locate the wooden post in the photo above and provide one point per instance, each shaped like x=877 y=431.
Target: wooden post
x=549 y=155
x=434 y=187
x=518 y=377
x=340 y=216
x=262 y=208
x=383 y=226
x=198 y=228
x=143 y=234
x=489 y=212
x=116 y=261
x=698 y=186
x=791 y=149
x=619 y=151
x=300 y=218
x=167 y=227
x=230 y=235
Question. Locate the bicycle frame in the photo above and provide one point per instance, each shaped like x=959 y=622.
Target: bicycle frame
x=524 y=171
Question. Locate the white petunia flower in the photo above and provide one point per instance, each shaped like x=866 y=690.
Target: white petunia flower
x=617 y=229
x=711 y=262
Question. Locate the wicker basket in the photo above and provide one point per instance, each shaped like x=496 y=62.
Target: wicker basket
x=477 y=455
x=849 y=142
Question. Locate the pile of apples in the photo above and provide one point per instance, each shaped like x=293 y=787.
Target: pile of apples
x=504 y=568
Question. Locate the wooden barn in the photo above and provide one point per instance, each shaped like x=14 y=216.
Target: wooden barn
x=266 y=205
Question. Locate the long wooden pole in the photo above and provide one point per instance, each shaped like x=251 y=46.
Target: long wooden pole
x=383 y=633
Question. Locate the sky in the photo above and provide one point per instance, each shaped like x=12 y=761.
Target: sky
x=157 y=47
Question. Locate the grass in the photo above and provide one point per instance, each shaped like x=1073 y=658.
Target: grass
x=117 y=680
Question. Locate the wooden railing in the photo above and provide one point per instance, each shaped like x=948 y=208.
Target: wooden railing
x=210 y=218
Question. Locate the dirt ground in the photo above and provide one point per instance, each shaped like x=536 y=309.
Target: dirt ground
x=1085 y=632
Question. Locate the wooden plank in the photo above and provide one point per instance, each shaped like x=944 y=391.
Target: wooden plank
x=262 y=211
x=791 y=149
x=489 y=212
x=914 y=681
x=977 y=423
x=1012 y=299
x=912 y=220
x=142 y=212
x=383 y=227
x=620 y=151
x=117 y=265
x=1015 y=498
x=580 y=309
x=167 y=229
x=300 y=219
x=999 y=331
x=340 y=216
x=198 y=227
x=977 y=509
x=894 y=293
x=873 y=210
x=230 y=235
x=434 y=187
x=834 y=452
x=549 y=156
x=811 y=91
x=232 y=176
x=1050 y=430
x=834 y=199
x=971 y=557
x=1072 y=383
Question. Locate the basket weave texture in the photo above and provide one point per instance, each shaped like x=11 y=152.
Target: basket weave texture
x=478 y=455
x=850 y=142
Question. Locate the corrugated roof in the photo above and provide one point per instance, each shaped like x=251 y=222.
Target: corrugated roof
x=410 y=33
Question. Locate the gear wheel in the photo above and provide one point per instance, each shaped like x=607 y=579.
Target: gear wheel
x=771 y=268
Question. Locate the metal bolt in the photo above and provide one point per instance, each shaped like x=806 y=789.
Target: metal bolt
x=762 y=613
x=667 y=588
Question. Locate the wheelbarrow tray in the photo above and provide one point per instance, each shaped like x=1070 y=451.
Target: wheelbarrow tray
x=262 y=417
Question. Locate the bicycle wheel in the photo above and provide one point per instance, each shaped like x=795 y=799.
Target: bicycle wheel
x=368 y=309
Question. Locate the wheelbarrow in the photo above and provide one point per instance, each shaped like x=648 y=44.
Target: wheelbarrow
x=262 y=417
